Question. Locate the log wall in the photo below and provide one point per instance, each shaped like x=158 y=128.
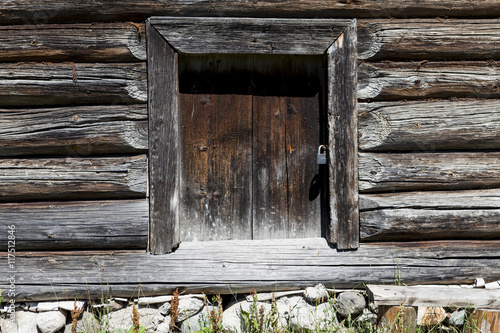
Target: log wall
x=74 y=135
x=428 y=111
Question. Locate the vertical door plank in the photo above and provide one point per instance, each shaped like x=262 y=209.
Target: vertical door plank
x=197 y=115
x=301 y=105
x=216 y=135
x=286 y=135
x=270 y=180
x=342 y=123
x=163 y=144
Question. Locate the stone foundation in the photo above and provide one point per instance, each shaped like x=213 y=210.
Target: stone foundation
x=315 y=309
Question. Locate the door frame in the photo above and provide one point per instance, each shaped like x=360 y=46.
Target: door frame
x=167 y=37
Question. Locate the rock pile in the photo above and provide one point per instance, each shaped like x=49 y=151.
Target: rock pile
x=313 y=309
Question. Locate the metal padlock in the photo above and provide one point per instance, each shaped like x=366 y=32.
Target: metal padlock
x=321 y=157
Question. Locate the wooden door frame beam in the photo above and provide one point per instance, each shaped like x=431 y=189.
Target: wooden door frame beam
x=169 y=36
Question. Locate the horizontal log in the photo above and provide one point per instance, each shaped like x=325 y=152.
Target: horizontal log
x=449 y=200
x=238 y=266
x=249 y=35
x=74 y=131
x=419 y=80
x=428 y=171
x=429 y=125
x=99 y=42
x=447 y=296
x=68 y=178
x=72 y=83
x=430 y=215
x=424 y=224
x=428 y=39
x=76 y=225
x=28 y=12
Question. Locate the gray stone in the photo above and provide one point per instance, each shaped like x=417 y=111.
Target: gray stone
x=51 y=321
x=308 y=317
x=285 y=307
x=231 y=318
x=122 y=319
x=86 y=323
x=30 y=306
x=373 y=307
x=198 y=321
x=24 y=322
x=164 y=327
x=188 y=307
x=457 y=318
x=367 y=317
x=165 y=309
x=111 y=305
x=154 y=300
x=317 y=294
x=53 y=306
x=350 y=303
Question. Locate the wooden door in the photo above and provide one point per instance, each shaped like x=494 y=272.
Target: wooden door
x=250 y=128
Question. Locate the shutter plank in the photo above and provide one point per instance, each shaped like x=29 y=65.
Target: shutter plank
x=343 y=148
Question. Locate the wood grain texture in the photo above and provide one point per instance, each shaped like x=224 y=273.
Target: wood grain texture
x=73 y=178
x=444 y=200
x=237 y=266
x=417 y=80
x=45 y=84
x=99 y=42
x=216 y=121
x=428 y=171
x=427 y=224
x=487 y=320
x=446 y=296
x=75 y=225
x=343 y=142
x=164 y=155
x=428 y=39
x=429 y=125
x=27 y=12
x=74 y=131
x=430 y=215
x=249 y=35
x=270 y=173
x=250 y=132
x=286 y=136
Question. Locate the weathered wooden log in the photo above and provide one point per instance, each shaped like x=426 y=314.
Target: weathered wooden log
x=238 y=266
x=72 y=83
x=164 y=151
x=73 y=42
x=121 y=224
x=249 y=35
x=69 y=178
x=447 y=296
x=484 y=320
x=74 y=131
x=428 y=39
x=430 y=215
x=452 y=200
x=418 y=80
x=427 y=126
x=343 y=129
x=426 y=224
x=428 y=171
x=27 y=12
